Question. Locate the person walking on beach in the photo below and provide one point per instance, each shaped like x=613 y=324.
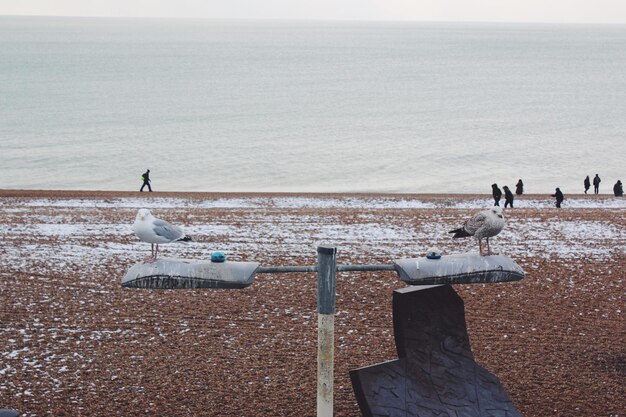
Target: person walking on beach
x=559 y=197
x=497 y=194
x=596 y=184
x=519 y=187
x=587 y=184
x=146 y=181
x=618 y=190
x=508 y=197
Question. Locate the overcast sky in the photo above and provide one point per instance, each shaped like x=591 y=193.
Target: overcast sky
x=570 y=11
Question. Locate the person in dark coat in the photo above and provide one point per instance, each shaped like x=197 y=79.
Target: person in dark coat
x=508 y=197
x=618 y=190
x=519 y=187
x=596 y=184
x=497 y=194
x=146 y=181
x=559 y=197
x=587 y=184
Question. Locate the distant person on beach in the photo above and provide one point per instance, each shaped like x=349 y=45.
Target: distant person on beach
x=587 y=184
x=146 y=181
x=508 y=197
x=596 y=184
x=497 y=194
x=559 y=197
x=618 y=190
x=519 y=187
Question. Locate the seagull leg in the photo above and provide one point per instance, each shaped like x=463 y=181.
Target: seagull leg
x=489 y=252
x=480 y=247
x=150 y=259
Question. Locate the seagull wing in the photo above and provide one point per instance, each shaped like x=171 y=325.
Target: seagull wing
x=475 y=223
x=167 y=230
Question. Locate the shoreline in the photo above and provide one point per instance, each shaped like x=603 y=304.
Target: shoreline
x=28 y=193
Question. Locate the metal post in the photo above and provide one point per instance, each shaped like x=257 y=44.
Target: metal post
x=326 y=283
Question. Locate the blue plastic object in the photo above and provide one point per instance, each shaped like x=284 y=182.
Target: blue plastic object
x=218 y=257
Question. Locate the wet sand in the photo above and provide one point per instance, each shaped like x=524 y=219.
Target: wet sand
x=73 y=342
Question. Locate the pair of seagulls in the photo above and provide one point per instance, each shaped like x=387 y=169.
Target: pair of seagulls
x=149 y=229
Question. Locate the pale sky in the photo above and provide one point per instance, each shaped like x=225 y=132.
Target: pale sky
x=561 y=11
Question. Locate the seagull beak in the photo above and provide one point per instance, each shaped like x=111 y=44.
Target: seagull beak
x=500 y=215
x=142 y=217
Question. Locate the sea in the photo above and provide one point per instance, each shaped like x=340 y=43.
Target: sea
x=310 y=106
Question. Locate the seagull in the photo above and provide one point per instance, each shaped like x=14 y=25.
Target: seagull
x=482 y=225
x=154 y=231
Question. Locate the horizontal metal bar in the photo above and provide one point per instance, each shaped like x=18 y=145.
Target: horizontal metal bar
x=281 y=269
x=379 y=267
x=313 y=268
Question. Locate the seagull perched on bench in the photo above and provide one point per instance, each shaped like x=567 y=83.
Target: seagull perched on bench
x=154 y=231
x=482 y=225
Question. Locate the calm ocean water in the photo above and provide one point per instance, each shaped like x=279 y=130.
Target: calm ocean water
x=309 y=106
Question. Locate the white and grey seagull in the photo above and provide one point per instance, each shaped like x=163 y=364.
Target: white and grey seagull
x=482 y=225
x=154 y=231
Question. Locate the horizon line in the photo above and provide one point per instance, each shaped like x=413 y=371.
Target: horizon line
x=337 y=20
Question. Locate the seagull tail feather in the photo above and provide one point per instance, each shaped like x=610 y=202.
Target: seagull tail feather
x=185 y=239
x=460 y=232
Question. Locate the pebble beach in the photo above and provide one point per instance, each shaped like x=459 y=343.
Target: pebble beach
x=73 y=342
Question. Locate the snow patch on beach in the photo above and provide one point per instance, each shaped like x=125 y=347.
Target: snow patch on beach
x=565 y=239
x=91 y=248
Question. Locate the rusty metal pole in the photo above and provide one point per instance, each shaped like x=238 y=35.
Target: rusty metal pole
x=326 y=283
